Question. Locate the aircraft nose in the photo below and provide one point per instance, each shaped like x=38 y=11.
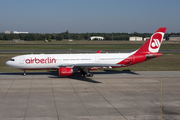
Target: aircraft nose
x=7 y=63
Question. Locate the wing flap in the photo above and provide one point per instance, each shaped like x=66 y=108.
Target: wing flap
x=95 y=65
x=90 y=65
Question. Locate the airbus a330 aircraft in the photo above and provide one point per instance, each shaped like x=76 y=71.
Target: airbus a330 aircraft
x=68 y=64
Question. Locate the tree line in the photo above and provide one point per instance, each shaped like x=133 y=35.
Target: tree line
x=76 y=36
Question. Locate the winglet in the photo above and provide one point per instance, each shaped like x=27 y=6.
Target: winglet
x=99 y=51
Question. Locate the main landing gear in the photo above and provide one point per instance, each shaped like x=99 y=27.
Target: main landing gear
x=86 y=74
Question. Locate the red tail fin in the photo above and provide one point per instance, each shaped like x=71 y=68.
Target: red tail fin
x=153 y=43
x=148 y=50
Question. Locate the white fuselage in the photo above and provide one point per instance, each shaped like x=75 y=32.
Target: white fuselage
x=42 y=61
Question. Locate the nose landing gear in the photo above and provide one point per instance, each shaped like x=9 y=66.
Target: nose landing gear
x=24 y=72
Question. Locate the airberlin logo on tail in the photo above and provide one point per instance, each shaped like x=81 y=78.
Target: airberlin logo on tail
x=155 y=42
x=40 y=61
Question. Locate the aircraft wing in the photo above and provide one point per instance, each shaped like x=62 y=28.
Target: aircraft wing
x=90 y=65
x=95 y=65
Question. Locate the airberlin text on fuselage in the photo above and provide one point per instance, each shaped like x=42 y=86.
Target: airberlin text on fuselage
x=42 y=60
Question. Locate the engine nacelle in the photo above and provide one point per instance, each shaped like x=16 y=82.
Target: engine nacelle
x=65 y=71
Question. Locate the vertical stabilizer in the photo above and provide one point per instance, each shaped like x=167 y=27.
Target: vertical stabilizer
x=153 y=44
x=148 y=51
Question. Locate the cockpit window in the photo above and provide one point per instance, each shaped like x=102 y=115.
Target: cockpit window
x=12 y=60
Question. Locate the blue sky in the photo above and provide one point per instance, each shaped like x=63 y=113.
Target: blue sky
x=81 y=16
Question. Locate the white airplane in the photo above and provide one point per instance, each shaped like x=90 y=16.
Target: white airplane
x=68 y=64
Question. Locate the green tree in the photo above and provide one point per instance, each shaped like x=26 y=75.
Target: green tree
x=7 y=37
x=21 y=36
x=53 y=36
x=40 y=37
x=1 y=37
x=15 y=36
x=86 y=36
x=49 y=37
x=108 y=37
x=66 y=35
x=59 y=37
x=78 y=37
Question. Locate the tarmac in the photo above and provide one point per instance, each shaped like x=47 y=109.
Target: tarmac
x=109 y=95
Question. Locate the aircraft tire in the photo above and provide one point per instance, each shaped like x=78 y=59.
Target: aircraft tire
x=90 y=75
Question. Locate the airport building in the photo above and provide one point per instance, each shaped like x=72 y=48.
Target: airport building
x=15 y=32
x=174 y=38
x=146 y=38
x=135 y=38
x=7 y=32
x=96 y=37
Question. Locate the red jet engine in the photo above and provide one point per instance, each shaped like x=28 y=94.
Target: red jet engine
x=65 y=71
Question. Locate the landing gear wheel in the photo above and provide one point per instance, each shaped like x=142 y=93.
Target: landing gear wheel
x=84 y=75
x=90 y=75
x=24 y=73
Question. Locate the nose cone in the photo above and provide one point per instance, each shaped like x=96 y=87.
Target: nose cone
x=7 y=63
x=10 y=64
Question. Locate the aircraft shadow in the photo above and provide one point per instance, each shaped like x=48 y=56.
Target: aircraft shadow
x=86 y=79
x=31 y=73
x=78 y=76
x=117 y=72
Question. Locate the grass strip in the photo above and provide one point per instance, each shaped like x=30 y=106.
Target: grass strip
x=81 y=47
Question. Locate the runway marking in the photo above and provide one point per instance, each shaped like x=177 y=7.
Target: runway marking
x=28 y=99
x=81 y=101
x=110 y=103
x=54 y=100
x=8 y=90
